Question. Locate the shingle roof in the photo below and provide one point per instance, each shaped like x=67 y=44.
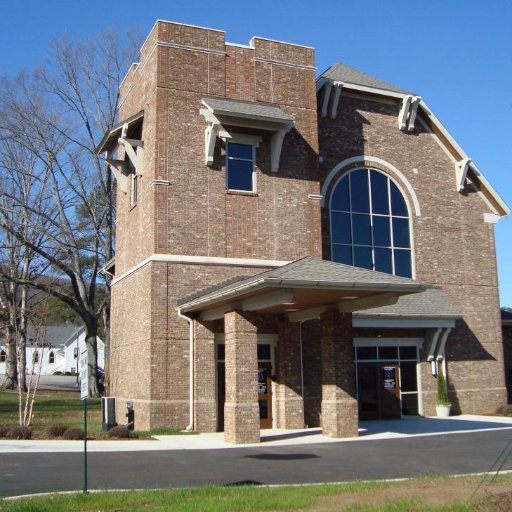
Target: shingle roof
x=506 y=315
x=309 y=272
x=56 y=335
x=248 y=109
x=343 y=73
x=431 y=303
x=317 y=270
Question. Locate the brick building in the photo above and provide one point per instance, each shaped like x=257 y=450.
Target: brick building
x=293 y=249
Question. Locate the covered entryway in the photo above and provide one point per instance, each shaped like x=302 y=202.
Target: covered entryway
x=264 y=384
x=275 y=302
x=387 y=381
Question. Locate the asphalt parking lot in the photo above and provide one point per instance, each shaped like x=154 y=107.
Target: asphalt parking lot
x=54 y=382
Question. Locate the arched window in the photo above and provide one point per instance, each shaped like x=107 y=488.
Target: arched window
x=35 y=357
x=3 y=356
x=370 y=223
x=51 y=357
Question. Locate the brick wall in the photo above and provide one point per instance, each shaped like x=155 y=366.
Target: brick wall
x=187 y=211
x=507 y=356
x=453 y=247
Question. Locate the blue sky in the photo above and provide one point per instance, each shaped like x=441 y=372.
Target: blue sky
x=457 y=54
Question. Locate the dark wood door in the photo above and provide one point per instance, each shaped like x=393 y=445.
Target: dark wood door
x=265 y=394
x=389 y=390
x=221 y=394
x=368 y=391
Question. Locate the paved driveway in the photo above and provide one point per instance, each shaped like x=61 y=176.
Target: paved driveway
x=54 y=382
x=380 y=455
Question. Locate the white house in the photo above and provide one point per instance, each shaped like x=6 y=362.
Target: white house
x=62 y=353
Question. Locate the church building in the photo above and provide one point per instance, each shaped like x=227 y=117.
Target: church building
x=293 y=249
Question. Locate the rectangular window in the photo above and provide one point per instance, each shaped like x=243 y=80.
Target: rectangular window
x=134 y=191
x=240 y=167
x=75 y=353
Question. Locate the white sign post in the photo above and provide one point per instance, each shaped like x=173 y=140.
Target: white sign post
x=84 y=375
x=84 y=394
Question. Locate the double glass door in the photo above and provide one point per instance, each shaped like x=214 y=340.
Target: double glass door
x=386 y=381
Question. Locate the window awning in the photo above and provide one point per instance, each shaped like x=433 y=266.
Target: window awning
x=128 y=134
x=246 y=114
x=110 y=140
x=301 y=290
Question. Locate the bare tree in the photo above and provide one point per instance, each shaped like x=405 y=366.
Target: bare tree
x=22 y=195
x=59 y=115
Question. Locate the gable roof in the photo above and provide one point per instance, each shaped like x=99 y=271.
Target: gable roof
x=343 y=73
x=246 y=109
x=353 y=79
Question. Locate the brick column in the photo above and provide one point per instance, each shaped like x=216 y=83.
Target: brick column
x=241 y=410
x=339 y=400
x=205 y=399
x=290 y=403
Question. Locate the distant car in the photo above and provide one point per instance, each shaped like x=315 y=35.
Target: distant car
x=101 y=377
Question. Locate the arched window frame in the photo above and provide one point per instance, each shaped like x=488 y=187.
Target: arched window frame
x=334 y=184
x=51 y=357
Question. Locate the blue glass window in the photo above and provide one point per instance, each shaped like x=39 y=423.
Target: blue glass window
x=240 y=167
x=370 y=223
x=359 y=191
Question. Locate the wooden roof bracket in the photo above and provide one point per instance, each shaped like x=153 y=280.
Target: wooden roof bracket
x=408 y=112
x=461 y=171
x=120 y=171
x=136 y=155
x=431 y=343
x=331 y=99
x=276 y=144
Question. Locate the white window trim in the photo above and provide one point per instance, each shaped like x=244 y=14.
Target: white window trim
x=249 y=140
x=134 y=189
x=395 y=342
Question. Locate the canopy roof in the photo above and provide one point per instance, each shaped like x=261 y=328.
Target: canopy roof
x=302 y=289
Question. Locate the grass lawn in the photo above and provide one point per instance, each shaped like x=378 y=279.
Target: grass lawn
x=427 y=494
x=65 y=407
x=52 y=407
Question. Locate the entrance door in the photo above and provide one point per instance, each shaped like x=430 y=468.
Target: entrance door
x=264 y=388
x=389 y=391
x=265 y=394
x=379 y=390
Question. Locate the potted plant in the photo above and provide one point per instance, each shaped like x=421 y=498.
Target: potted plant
x=443 y=405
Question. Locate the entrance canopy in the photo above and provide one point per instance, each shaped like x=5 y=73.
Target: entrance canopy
x=301 y=290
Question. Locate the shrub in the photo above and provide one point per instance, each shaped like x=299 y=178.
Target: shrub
x=4 y=430
x=56 y=430
x=73 y=434
x=442 y=391
x=18 y=432
x=119 y=432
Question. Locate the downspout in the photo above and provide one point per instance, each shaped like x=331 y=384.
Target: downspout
x=190 y=426
x=301 y=368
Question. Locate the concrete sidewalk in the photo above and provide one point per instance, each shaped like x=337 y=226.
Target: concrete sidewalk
x=368 y=430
